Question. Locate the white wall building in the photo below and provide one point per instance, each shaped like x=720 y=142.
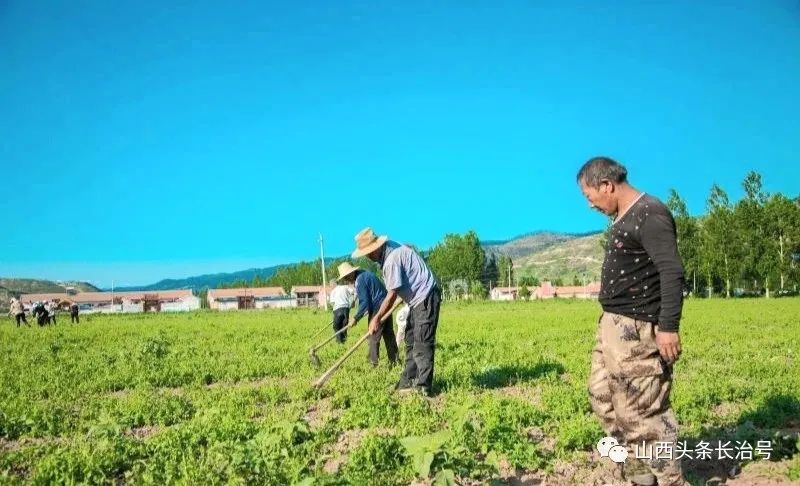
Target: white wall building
x=126 y=302
x=250 y=298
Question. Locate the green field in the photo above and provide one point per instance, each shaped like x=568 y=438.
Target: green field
x=209 y=398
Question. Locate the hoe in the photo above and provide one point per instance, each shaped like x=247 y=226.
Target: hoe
x=312 y=353
x=326 y=376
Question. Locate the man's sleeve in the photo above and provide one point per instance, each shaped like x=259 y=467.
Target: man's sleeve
x=392 y=274
x=660 y=243
x=364 y=301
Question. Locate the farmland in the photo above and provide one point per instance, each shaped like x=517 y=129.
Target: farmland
x=207 y=398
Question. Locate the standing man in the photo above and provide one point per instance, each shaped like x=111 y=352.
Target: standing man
x=342 y=298
x=40 y=313
x=406 y=275
x=18 y=311
x=371 y=292
x=51 y=307
x=73 y=313
x=637 y=339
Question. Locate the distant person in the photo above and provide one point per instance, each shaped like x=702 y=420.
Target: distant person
x=406 y=275
x=51 y=307
x=371 y=292
x=342 y=298
x=38 y=310
x=18 y=311
x=641 y=292
x=74 y=317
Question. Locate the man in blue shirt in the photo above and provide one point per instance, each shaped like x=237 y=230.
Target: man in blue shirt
x=370 y=292
x=406 y=275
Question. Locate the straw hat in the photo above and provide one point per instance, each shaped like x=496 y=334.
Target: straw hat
x=346 y=269
x=367 y=242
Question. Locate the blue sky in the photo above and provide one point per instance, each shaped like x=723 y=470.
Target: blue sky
x=166 y=139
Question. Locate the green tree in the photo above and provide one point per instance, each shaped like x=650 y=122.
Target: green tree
x=477 y=290
x=783 y=234
x=310 y=273
x=202 y=294
x=365 y=263
x=688 y=232
x=505 y=267
x=491 y=274
x=750 y=222
x=720 y=245
x=524 y=293
x=458 y=257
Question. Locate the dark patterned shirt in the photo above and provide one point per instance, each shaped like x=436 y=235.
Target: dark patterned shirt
x=642 y=274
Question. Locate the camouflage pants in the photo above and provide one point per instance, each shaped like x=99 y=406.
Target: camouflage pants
x=629 y=388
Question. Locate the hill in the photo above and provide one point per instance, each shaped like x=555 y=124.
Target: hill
x=211 y=280
x=544 y=254
x=554 y=255
x=578 y=257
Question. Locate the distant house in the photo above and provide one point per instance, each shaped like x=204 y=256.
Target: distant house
x=590 y=291
x=504 y=293
x=311 y=295
x=250 y=298
x=547 y=291
x=101 y=302
x=543 y=291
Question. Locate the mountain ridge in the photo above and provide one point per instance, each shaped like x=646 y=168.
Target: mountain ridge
x=542 y=253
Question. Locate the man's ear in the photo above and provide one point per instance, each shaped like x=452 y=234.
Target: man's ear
x=607 y=186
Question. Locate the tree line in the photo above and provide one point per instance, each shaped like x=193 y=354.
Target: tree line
x=302 y=273
x=747 y=247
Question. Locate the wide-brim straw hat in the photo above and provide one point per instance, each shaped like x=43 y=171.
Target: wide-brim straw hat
x=367 y=242
x=346 y=269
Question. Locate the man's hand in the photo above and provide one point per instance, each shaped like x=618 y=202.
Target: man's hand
x=374 y=324
x=384 y=311
x=669 y=345
x=351 y=322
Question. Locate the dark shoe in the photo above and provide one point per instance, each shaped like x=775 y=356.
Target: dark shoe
x=638 y=473
x=403 y=388
x=403 y=384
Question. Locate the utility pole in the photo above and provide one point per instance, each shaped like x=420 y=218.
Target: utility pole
x=324 y=277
